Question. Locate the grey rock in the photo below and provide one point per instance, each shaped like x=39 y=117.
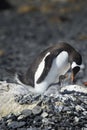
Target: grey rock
x=24 y=100
x=44 y=114
x=37 y=121
x=45 y=121
x=27 y=99
x=79 y=108
x=37 y=110
x=59 y=108
x=21 y=129
x=76 y=119
x=26 y=112
x=16 y=124
x=31 y=128
x=85 y=128
x=18 y=98
x=84 y=113
x=22 y=117
x=66 y=108
x=11 y=116
x=9 y=121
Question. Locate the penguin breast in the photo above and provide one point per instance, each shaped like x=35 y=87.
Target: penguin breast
x=62 y=63
x=60 y=66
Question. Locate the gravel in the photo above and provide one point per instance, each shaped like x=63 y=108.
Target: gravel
x=67 y=111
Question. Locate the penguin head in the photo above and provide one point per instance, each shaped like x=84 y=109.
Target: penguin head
x=75 y=69
x=76 y=65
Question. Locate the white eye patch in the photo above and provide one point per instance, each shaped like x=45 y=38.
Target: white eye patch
x=74 y=65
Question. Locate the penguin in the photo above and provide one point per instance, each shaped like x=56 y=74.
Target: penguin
x=49 y=65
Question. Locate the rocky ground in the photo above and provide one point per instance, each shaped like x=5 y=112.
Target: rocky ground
x=24 y=32
x=62 y=110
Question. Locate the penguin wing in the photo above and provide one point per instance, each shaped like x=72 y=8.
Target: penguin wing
x=48 y=62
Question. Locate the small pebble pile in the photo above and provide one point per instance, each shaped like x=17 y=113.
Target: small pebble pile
x=66 y=111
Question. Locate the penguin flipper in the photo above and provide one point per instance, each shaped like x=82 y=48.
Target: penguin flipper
x=48 y=63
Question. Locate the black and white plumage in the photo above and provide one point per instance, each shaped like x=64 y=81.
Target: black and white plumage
x=49 y=65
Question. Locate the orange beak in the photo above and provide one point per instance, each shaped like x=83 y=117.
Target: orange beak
x=74 y=72
x=72 y=77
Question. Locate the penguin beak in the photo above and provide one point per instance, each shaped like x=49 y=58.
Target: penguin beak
x=72 y=76
x=75 y=70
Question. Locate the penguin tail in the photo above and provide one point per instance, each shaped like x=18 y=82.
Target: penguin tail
x=11 y=71
x=13 y=74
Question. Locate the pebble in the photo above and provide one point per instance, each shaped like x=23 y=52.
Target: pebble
x=36 y=110
x=84 y=113
x=16 y=124
x=27 y=99
x=58 y=106
x=66 y=108
x=44 y=114
x=79 y=108
x=11 y=116
x=26 y=112
x=45 y=121
x=21 y=117
x=21 y=129
x=9 y=121
x=32 y=128
x=76 y=119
